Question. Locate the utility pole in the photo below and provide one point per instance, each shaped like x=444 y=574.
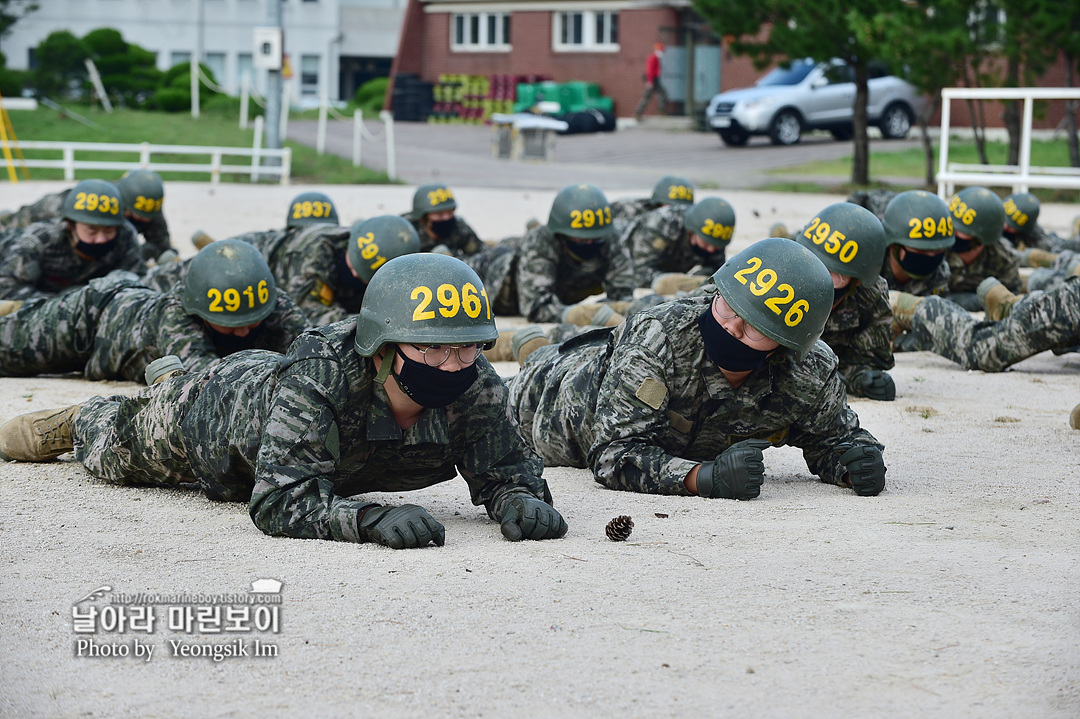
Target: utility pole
x=196 y=58
x=273 y=88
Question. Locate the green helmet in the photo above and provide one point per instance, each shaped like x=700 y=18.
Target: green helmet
x=432 y=198
x=1021 y=211
x=374 y=242
x=673 y=190
x=94 y=202
x=978 y=212
x=580 y=211
x=919 y=219
x=309 y=208
x=424 y=298
x=143 y=193
x=229 y=284
x=713 y=220
x=848 y=239
x=780 y=288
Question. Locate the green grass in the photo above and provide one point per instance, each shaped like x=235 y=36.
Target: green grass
x=911 y=163
x=215 y=127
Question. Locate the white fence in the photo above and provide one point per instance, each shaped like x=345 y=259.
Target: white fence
x=145 y=151
x=1021 y=177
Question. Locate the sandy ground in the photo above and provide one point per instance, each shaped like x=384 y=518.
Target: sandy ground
x=953 y=594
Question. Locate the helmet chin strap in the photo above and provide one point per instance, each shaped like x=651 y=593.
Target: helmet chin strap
x=387 y=366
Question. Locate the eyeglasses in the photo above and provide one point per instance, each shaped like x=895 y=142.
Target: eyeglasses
x=436 y=355
x=724 y=310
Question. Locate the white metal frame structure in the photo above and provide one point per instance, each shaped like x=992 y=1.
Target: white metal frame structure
x=1021 y=176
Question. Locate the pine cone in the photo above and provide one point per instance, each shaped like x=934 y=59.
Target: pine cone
x=619 y=529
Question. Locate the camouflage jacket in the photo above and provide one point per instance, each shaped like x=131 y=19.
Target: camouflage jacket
x=624 y=211
x=549 y=278
x=999 y=260
x=647 y=404
x=49 y=207
x=936 y=284
x=308 y=263
x=859 y=331
x=658 y=243
x=40 y=260
x=300 y=434
x=462 y=242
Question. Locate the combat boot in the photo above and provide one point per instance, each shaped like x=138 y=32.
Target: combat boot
x=1074 y=417
x=996 y=298
x=38 y=436
x=526 y=341
x=200 y=239
x=1076 y=226
x=903 y=307
x=778 y=229
x=1034 y=257
x=7 y=307
x=671 y=282
x=591 y=315
x=501 y=352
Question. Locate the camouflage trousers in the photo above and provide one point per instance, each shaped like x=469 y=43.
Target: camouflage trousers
x=53 y=335
x=1039 y=321
x=182 y=431
x=553 y=397
x=497 y=269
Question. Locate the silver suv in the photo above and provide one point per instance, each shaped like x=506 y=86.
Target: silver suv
x=812 y=96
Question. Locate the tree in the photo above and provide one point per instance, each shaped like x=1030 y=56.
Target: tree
x=11 y=11
x=128 y=71
x=790 y=29
x=61 y=63
x=932 y=42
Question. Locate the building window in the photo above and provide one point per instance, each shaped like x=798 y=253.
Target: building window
x=244 y=69
x=178 y=57
x=480 y=32
x=586 y=30
x=309 y=74
x=216 y=62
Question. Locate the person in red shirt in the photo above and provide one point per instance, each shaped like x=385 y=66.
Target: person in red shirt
x=652 y=83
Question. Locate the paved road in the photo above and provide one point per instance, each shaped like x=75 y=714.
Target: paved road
x=460 y=155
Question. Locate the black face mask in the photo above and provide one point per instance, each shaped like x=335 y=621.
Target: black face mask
x=702 y=252
x=97 y=251
x=963 y=245
x=1009 y=232
x=432 y=387
x=346 y=278
x=724 y=350
x=919 y=266
x=141 y=226
x=443 y=228
x=584 y=250
x=838 y=293
x=225 y=345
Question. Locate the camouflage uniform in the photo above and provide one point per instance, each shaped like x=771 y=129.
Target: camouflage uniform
x=113 y=327
x=1039 y=321
x=874 y=200
x=296 y=435
x=641 y=404
x=308 y=263
x=462 y=242
x=1000 y=261
x=625 y=211
x=1043 y=240
x=549 y=279
x=657 y=242
x=859 y=331
x=155 y=231
x=936 y=284
x=40 y=260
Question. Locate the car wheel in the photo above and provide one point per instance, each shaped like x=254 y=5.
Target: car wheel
x=895 y=122
x=735 y=137
x=843 y=133
x=786 y=129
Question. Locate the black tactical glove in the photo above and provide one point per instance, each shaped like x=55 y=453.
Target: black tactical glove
x=736 y=473
x=401 y=527
x=526 y=517
x=877 y=384
x=866 y=470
